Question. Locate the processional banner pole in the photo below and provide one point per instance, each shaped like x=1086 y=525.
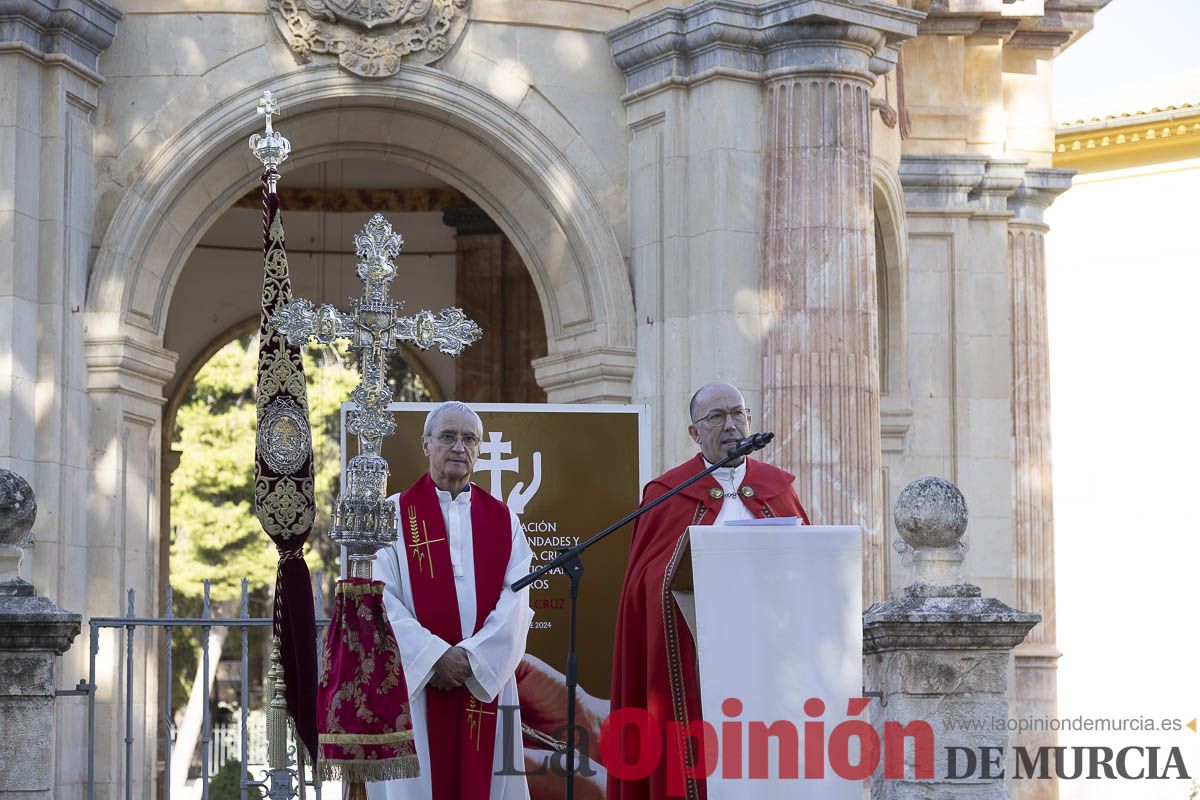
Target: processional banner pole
x=363 y=719
x=284 y=498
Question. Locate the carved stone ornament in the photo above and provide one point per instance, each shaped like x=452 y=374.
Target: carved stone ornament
x=371 y=38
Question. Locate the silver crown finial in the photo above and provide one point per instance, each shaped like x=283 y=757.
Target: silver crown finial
x=271 y=148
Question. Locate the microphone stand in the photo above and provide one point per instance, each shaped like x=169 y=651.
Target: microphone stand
x=571 y=563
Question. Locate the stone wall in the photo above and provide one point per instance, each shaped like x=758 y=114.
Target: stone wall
x=641 y=161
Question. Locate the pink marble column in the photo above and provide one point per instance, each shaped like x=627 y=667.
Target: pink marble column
x=820 y=353
x=1036 y=658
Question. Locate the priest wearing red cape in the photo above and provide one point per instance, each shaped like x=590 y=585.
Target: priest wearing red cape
x=654 y=657
x=460 y=627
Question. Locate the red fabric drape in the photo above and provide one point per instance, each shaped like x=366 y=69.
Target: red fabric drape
x=366 y=730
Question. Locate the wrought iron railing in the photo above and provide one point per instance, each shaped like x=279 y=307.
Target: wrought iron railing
x=282 y=750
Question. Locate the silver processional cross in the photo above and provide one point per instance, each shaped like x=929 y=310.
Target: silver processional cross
x=362 y=520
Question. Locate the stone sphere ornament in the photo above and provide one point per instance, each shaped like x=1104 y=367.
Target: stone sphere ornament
x=931 y=512
x=18 y=508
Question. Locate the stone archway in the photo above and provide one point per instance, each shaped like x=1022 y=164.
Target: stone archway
x=426 y=119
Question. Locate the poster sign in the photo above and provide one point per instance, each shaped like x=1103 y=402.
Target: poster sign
x=567 y=471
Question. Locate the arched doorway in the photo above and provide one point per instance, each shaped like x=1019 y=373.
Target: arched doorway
x=453 y=255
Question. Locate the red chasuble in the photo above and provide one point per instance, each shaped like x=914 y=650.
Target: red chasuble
x=654 y=657
x=461 y=729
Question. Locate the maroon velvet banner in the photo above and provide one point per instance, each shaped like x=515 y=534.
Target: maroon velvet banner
x=365 y=724
x=283 y=481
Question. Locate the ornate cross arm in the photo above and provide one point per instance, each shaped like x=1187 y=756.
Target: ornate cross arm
x=301 y=321
x=375 y=322
x=450 y=331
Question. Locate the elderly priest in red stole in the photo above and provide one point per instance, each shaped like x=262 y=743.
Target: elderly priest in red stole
x=460 y=627
x=654 y=658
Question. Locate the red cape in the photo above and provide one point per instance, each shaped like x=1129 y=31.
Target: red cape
x=654 y=656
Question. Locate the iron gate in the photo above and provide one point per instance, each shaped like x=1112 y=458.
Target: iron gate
x=242 y=624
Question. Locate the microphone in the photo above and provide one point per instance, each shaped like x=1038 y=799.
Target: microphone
x=753 y=442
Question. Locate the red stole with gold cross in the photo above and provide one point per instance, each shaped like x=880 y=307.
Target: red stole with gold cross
x=462 y=729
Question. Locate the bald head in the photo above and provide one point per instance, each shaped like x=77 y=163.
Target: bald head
x=704 y=395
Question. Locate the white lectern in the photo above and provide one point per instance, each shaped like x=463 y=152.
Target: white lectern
x=777 y=620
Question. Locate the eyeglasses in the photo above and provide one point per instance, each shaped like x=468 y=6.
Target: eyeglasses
x=716 y=419
x=469 y=440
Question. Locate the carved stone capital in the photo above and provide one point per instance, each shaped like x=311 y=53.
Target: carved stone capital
x=35 y=623
x=1002 y=177
x=78 y=29
x=780 y=36
x=977 y=184
x=940 y=181
x=1037 y=192
x=1039 y=24
x=944 y=623
x=127 y=366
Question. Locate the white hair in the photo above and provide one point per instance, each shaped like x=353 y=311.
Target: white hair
x=449 y=405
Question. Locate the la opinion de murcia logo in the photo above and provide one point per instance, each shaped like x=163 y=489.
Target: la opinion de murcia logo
x=371 y=38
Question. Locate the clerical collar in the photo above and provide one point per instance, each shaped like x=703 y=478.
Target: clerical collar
x=463 y=497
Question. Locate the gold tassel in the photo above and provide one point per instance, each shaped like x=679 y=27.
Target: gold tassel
x=357 y=791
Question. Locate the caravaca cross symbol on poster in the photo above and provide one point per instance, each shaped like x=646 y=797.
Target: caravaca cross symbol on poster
x=492 y=461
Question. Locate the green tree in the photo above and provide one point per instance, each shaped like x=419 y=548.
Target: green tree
x=227 y=784
x=215 y=533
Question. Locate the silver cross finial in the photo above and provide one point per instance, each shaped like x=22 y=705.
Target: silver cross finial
x=268 y=107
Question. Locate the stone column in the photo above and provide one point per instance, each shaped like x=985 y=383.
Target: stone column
x=33 y=633
x=820 y=377
x=1033 y=497
x=958 y=324
x=938 y=652
x=752 y=234
x=126 y=376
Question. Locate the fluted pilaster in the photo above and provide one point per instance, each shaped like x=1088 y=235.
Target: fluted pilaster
x=817 y=60
x=1033 y=499
x=820 y=349
x=1033 y=512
